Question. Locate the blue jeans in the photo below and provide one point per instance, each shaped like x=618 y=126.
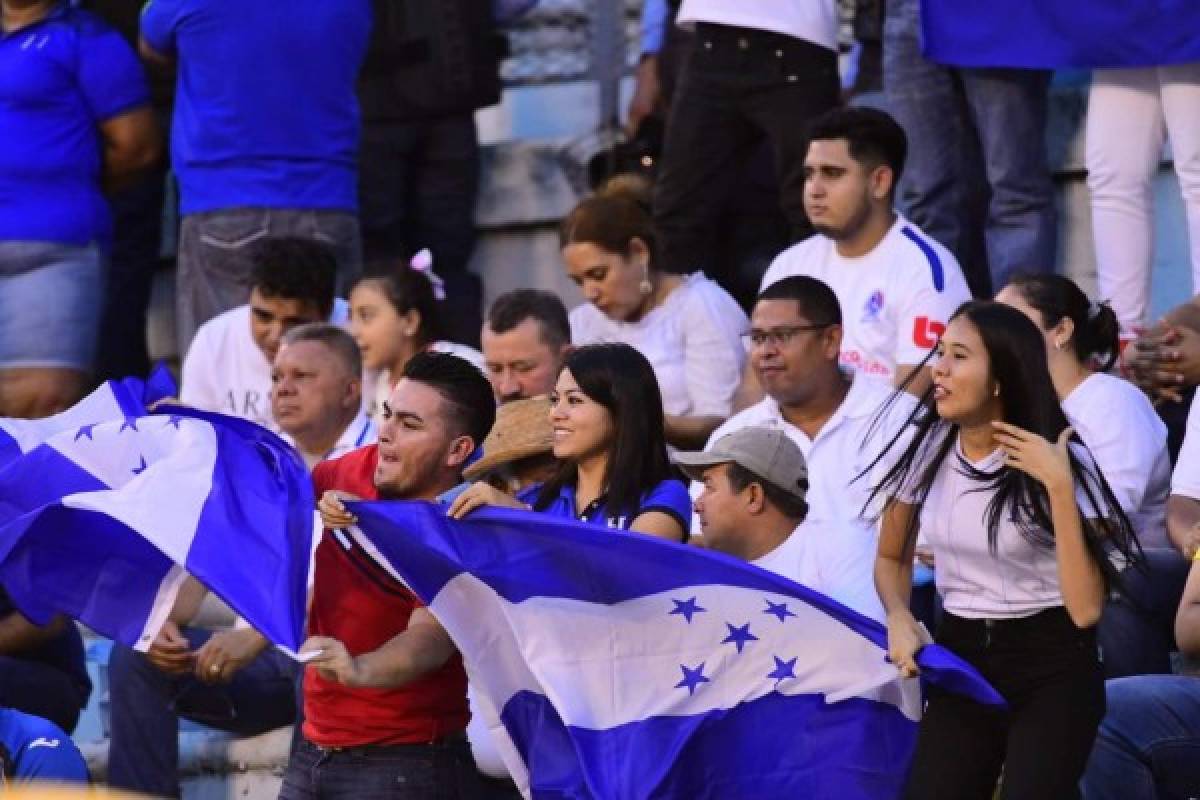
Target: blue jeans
x=147 y=703
x=442 y=771
x=1148 y=747
x=216 y=249
x=1137 y=632
x=977 y=178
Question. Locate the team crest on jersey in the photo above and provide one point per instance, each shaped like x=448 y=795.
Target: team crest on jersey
x=873 y=307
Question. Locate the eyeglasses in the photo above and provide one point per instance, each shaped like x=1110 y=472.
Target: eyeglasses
x=778 y=336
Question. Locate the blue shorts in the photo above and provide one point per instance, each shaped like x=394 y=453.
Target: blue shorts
x=50 y=304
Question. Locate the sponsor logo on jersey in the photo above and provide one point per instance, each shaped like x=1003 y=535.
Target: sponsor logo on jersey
x=42 y=741
x=926 y=332
x=874 y=307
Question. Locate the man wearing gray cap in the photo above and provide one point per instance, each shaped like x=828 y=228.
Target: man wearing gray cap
x=753 y=506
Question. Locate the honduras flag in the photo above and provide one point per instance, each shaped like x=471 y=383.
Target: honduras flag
x=617 y=666
x=1054 y=34
x=101 y=521
x=111 y=400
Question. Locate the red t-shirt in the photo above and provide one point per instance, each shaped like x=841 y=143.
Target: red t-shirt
x=356 y=602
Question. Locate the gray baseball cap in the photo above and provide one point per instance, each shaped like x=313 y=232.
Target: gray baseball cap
x=766 y=452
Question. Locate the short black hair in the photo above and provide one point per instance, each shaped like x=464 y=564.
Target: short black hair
x=872 y=136
x=546 y=308
x=340 y=342
x=815 y=299
x=789 y=505
x=295 y=268
x=462 y=386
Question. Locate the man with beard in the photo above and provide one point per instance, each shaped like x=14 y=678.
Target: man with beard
x=896 y=286
x=385 y=699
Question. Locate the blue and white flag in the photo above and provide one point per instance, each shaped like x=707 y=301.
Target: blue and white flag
x=100 y=523
x=111 y=400
x=1059 y=34
x=619 y=666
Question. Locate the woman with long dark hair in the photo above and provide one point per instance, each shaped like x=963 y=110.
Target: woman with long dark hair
x=608 y=437
x=1021 y=524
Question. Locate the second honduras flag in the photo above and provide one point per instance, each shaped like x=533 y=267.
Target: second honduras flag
x=618 y=667
x=1055 y=34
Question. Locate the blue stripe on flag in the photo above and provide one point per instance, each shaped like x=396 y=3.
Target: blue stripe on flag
x=822 y=749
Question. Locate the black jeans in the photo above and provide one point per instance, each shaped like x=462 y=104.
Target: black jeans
x=440 y=771
x=1049 y=672
x=417 y=189
x=738 y=86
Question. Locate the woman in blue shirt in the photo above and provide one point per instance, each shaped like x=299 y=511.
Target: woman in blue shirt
x=609 y=439
x=75 y=120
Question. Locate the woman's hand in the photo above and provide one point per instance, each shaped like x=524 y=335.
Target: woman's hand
x=333 y=510
x=906 y=637
x=1049 y=464
x=481 y=494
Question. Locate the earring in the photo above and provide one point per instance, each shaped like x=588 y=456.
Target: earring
x=1058 y=345
x=996 y=391
x=645 y=286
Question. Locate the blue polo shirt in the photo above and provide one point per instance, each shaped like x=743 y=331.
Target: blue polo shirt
x=38 y=750
x=265 y=107
x=60 y=78
x=669 y=497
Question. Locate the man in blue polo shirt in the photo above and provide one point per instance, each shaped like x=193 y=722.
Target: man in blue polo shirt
x=75 y=120
x=265 y=134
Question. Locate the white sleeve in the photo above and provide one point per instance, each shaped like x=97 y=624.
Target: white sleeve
x=713 y=356
x=1185 y=481
x=1125 y=454
x=583 y=329
x=199 y=390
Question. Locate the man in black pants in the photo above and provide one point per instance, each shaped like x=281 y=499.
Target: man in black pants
x=757 y=68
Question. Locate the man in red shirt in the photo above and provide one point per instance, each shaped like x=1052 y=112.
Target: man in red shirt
x=385 y=701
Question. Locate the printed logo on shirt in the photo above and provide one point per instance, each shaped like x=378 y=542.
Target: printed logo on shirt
x=874 y=307
x=42 y=741
x=35 y=41
x=926 y=332
x=858 y=362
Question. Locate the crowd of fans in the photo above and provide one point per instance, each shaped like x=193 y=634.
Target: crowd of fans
x=877 y=386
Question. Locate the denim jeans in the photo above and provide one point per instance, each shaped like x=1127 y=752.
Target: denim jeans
x=442 y=771
x=977 y=177
x=135 y=257
x=739 y=88
x=147 y=703
x=1137 y=632
x=417 y=190
x=1148 y=747
x=215 y=250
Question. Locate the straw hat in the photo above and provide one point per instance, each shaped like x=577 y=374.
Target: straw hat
x=522 y=430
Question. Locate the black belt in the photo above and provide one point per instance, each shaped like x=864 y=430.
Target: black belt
x=450 y=739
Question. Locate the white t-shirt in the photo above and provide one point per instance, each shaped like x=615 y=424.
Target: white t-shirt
x=838 y=540
x=693 y=342
x=813 y=20
x=895 y=300
x=1185 y=482
x=1128 y=440
x=1019 y=580
x=837 y=563
x=226 y=372
x=377 y=384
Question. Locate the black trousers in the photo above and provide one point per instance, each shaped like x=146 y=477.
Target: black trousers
x=738 y=86
x=1049 y=672
x=417 y=187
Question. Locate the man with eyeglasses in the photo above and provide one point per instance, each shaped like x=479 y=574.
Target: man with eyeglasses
x=839 y=418
x=896 y=286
